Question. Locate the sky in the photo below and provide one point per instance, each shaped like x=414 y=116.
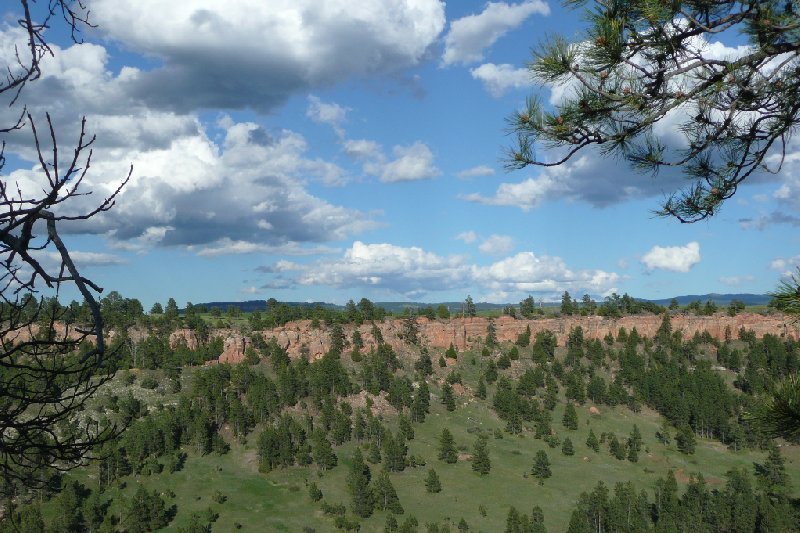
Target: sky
x=327 y=150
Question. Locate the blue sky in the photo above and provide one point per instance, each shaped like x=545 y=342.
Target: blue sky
x=328 y=150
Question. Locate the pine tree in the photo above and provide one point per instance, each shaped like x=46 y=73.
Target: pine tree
x=385 y=496
x=491 y=334
x=481 y=392
x=462 y=525
x=323 y=453
x=314 y=492
x=432 y=483
x=448 y=399
x=616 y=449
x=685 y=439
x=537 y=520
x=390 y=525
x=513 y=521
x=570 y=419
x=447 y=447
x=405 y=427
x=420 y=406
x=358 y=482
x=771 y=474
x=541 y=467
x=451 y=352
x=480 y=459
x=634 y=444
x=592 y=442
x=567 y=448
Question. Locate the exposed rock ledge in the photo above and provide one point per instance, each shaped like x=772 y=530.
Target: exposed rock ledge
x=466 y=333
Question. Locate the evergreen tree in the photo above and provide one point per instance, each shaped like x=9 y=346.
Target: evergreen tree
x=358 y=483
x=424 y=365
x=771 y=474
x=480 y=458
x=541 y=467
x=481 y=392
x=145 y=511
x=685 y=439
x=448 y=399
x=570 y=419
x=432 y=483
x=420 y=406
x=394 y=452
x=567 y=448
x=385 y=496
x=592 y=442
x=491 y=334
x=447 y=447
x=634 y=444
x=616 y=449
x=537 y=520
x=469 y=307
x=314 y=492
x=390 y=526
x=513 y=521
x=405 y=427
x=451 y=352
x=323 y=453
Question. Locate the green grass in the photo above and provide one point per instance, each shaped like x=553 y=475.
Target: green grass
x=279 y=501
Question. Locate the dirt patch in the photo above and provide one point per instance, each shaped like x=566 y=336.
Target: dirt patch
x=594 y=410
x=380 y=405
x=465 y=457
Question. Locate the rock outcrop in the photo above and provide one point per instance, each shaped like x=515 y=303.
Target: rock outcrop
x=299 y=338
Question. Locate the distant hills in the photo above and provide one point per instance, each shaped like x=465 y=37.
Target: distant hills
x=455 y=307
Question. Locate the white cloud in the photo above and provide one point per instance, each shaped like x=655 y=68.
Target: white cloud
x=476 y=172
x=238 y=54
x=411 y=163
x=468 y=237
x=525 y=195
x=331 y=114
x=673 y=258
x=226 y=246
x=497 y=79
x=469 y=36
x=787 y=266
x=414 y=272
x=497 y=245
x=736 y=281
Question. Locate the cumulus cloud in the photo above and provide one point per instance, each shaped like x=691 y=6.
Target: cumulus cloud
x=468 y=237
x=331 y=114
x=411 y=163
x=469 y=36
x=785 y=265
x=414 y=272
x=497 y=79
x=247 y=194
x=476 y=172
x=497 y=245
x=672 y=258
x=241 y=54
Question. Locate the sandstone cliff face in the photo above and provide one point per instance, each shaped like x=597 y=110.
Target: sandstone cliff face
x=466 y=333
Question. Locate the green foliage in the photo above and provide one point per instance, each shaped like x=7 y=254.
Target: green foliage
x=432 y=483
x=480 y=457
x=685 y=440
x=447 y=447
x=570 y=419
x=358 y=483
x=541 y=467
